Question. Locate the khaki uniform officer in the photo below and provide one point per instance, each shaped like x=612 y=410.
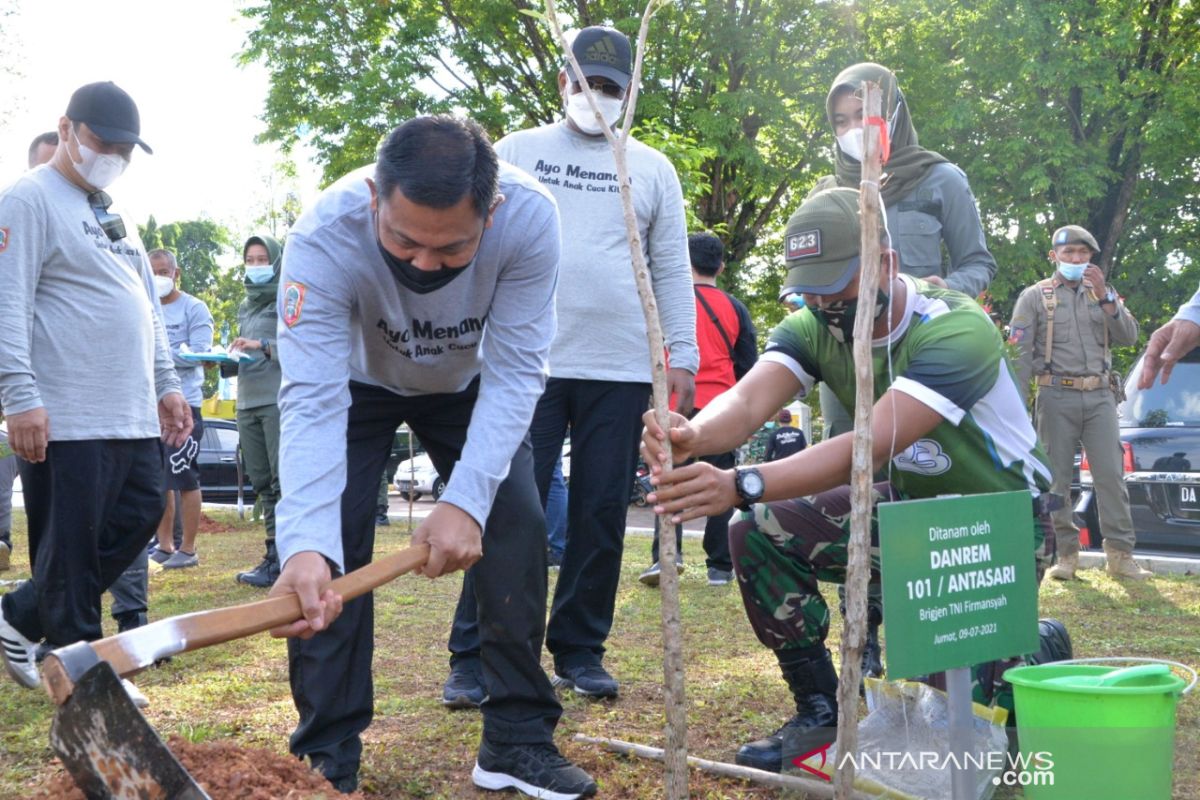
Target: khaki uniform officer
x=1063 y=327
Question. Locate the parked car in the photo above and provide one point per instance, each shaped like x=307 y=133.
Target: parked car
x=1160 y=437
x=416 y=477
x=220 y=463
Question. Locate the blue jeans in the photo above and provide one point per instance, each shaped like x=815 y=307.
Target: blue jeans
x=556 y=512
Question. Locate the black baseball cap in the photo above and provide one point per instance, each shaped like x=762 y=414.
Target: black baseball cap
x=603 y=52
x=109 y=111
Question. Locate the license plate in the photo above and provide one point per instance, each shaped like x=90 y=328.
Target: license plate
x=1189 y=497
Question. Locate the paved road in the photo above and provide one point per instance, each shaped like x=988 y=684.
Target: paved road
x=640 y=520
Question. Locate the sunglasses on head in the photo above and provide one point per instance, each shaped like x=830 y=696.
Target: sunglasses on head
x=112 y=224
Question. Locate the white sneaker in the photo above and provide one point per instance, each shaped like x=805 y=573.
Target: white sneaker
x=135 y=694
x=19 y=655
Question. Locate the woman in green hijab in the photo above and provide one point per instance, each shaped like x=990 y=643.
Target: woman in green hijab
x=258 y=391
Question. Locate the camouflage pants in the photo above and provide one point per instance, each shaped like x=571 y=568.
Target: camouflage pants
x=782 y=549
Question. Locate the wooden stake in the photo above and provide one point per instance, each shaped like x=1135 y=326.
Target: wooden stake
x=812 y=787
x=676 y=731
x=858 y=568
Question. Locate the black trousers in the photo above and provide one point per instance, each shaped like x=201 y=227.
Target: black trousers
x=331 y=673
x=716 y=529
x=605 y=419
x=91 y=505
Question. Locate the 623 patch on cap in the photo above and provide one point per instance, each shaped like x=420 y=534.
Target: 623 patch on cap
x=293 y=302
x=803 y=244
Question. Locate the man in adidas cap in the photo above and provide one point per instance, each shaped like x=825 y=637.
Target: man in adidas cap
x=950 y=419
x=599 y=381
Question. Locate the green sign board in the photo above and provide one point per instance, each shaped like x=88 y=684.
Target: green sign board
x=959 y=584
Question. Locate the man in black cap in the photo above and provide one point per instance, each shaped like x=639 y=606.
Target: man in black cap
x=1062 y=327
x=600 y=359
x=86 y=378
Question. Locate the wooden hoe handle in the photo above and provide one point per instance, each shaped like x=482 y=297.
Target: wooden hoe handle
x=134 y=650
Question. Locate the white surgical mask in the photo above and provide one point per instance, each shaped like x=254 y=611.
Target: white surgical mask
x=97 y=169
x=851 y=143
x=164 y=285
x=1071 y=272
x=582 y=115
x=260 y=274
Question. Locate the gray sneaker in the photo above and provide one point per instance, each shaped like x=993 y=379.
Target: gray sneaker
x=161 y=556
x=180 y=560
x=651 y=576
x=719 y=577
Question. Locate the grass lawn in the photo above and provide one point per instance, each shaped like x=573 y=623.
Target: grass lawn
x=416 y=749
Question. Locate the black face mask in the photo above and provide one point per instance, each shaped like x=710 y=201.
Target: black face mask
x=838 y=316
x=419 y=280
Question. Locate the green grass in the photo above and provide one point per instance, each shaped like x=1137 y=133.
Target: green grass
x=416 y=749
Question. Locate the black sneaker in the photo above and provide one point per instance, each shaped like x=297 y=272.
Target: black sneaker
x=537 y=770
x=589 y=680
x=464 y=688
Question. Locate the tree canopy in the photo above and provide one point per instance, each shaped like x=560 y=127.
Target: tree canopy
x=1060 y=111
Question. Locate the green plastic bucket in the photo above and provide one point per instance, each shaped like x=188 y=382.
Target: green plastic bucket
x=1087 y=741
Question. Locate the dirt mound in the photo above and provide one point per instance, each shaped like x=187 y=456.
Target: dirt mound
x=228 y=772
x=210 y=525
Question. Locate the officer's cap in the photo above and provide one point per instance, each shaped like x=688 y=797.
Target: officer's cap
x=1073 y=234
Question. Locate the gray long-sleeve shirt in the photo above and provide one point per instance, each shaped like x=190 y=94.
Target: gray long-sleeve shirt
x=80 y=330
x=189 y=322
x=1191 y=309
x=942 y=209
x=344 y=317
x=601 y=327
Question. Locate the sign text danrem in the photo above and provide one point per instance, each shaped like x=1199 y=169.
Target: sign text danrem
x=981 y=578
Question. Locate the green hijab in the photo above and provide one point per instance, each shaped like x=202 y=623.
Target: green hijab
x=908 y=162
x=260 y=294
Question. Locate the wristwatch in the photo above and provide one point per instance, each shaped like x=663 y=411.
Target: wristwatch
x=266 y=348
x=750 y=486
x=1109 y=297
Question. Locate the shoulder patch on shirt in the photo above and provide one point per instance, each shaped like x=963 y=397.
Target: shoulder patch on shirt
x=3 y=239
x=293 y=302
x=803 y=244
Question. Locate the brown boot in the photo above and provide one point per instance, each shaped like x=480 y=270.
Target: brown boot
x=1064 y=570
x=1122 y=565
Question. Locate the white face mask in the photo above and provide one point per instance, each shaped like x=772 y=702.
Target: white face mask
x=260 y=274
x=164 y=285
x=581 y=113
x=851 y=143
x=97 y=169
x=1071 y=272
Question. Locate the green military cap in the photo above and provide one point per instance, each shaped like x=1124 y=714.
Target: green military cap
x=821 y=243
x=1073 y=234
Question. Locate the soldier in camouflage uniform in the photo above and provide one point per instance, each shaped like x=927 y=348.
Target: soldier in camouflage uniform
x=948 y=419
x=1062 y=327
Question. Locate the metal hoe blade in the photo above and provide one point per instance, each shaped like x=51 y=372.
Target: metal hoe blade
x=110 y=749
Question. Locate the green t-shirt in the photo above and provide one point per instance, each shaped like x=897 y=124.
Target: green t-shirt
x=947 y=354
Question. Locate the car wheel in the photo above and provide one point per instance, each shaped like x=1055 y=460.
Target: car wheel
x=411 y=496
x=439 y=486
